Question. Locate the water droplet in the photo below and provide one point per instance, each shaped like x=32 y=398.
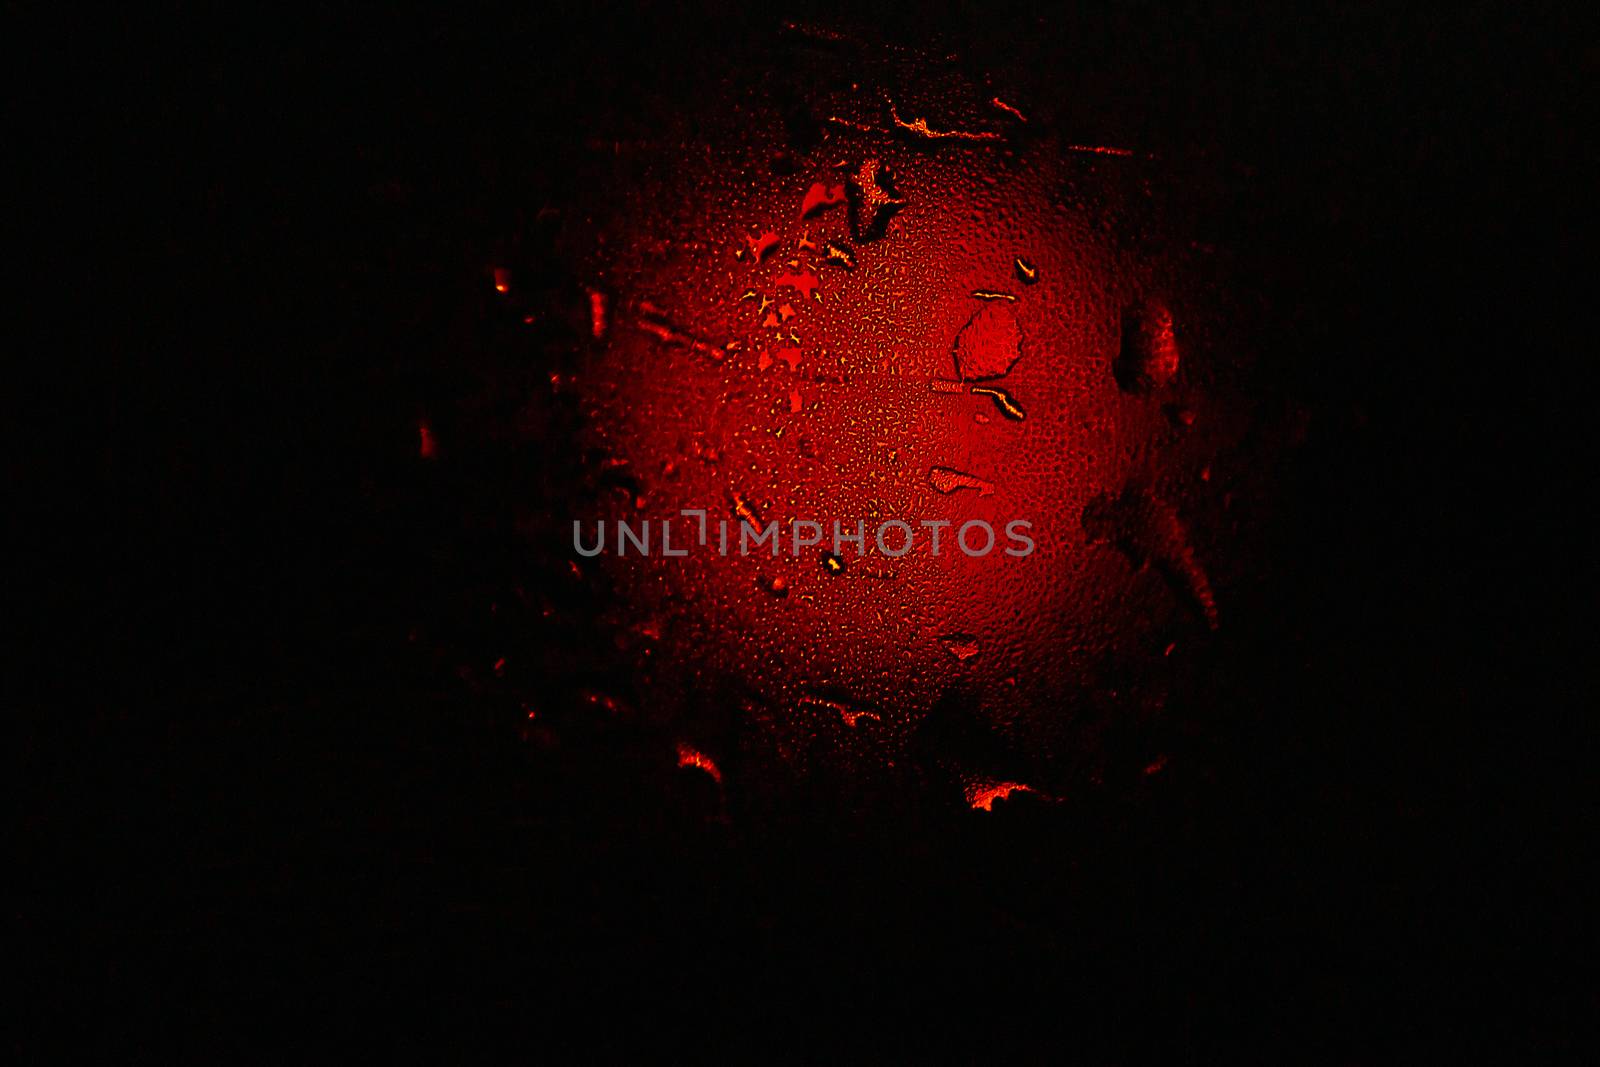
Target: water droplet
x=920 y=128
x=804 y=283
x=949 y=480
x=847 y=711
x=839 y=255
x=502 y=280
x=761 y=247
x=1003 y=400
x=1008 y=108
x=820 y=197
x=981 y=793
x=873 y=200
x=778 y=586
x=743 y=511
x=1149 y=357
x=962 y=646
x=689 y=756
x=654 y=322
x=989 y=345
x=1179 y=414
x=604 y=701
x=1147 y=529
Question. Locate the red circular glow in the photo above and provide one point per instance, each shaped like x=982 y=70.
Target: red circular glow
x=925 y=318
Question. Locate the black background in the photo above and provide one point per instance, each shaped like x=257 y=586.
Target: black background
x=257 y=816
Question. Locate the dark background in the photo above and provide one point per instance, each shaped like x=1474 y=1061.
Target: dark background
x=257 y=814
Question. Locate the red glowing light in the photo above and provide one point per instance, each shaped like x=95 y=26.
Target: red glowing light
x=963 y=345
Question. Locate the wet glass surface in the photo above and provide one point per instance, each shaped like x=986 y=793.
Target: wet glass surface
x=1208 y=300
